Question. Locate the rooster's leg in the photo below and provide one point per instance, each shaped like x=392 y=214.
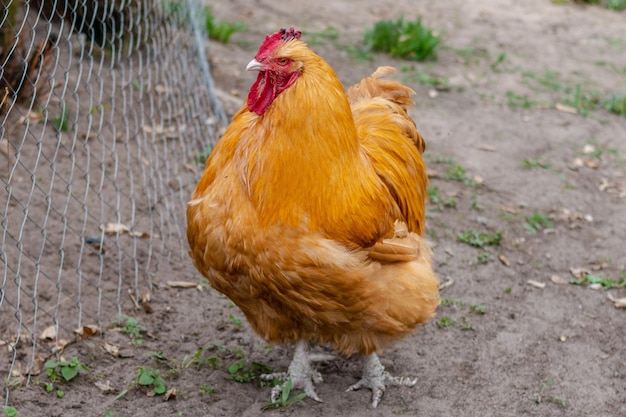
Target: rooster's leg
x=301 y=374
x=376 y=378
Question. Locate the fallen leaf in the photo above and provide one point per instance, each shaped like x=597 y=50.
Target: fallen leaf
x=558 y=280
x=113 y=228
x=49 y=333
x=170 y=394
x=111 y=349
x=565 y=109
x=619 y=302
x=487 y=148
x=536 y=284
x=510 y=209
x=503 y=259
x=88 y=331
x=104 y=386
x=579 y=273
x=588 y=149
x=592 y=163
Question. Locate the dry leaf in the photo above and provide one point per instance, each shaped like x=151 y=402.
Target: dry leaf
x=170 y=394
x=510 y=209
x=111 y=349
x=104 y=387
x=487 y=148
x=49 y=333
x=479 y=180
x=619 y=302
x=592 y=163
x=88 y=331
x=182 y=284
x=503 y=259
x=536 y=284
x=113 y=228
x=565 y=109
x=579 y=273
x=589 y=149
x=558 y=280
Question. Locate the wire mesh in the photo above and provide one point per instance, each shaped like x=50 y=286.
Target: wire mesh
x=106 y=107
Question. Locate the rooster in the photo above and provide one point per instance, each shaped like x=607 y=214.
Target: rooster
x=310 y=213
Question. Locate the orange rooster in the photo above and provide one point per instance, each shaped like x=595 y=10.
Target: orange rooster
x=310 y=213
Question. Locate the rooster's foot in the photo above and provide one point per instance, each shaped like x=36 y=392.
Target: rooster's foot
x=377 y=379
x=301 y=374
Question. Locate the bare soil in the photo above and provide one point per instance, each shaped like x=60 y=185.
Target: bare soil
x=499 y=150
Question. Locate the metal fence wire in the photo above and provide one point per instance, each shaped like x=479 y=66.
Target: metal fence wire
x=106 y=109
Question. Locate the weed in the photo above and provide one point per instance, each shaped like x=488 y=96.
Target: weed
x=433 y=194
x=108 y=413
x=519 y=101
x=150 y=379
x=408 y=40
x=9 y=411
x=445 y=322
x=455 y=173
x=536 y=222
x=479 y=239
x=206 y=390
x=541 y=395
x=132 y=328
x=475 y=205
x=484 y=258
x=61 y=122
x=616 y=4
x=447 y=302
x=535 y=163
x=67 y=370
x=240 y=373
x=235 y=320
x=450 y=203
x=478 y=308
x=605 y=282
x=616 y=104
x=508 y=290
x=285 y=399
x=221 y=31
x=499 y=60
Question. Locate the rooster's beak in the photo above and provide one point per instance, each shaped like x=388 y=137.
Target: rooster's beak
x=255 y=65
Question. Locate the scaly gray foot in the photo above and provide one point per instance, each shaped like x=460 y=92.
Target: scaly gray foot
x=301 y=374
x=377 y=379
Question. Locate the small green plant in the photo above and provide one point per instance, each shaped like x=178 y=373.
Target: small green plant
x=132 y=328
x=9 y=411
x=241 y=373
x=605 y=282
x=150 y=379
x=61 y=122
x=484 y=258
x=479 y=239
x=206 y=389
x=221 y=31
x=235 y=320
x=455 y=172
x=434 y=194
x=478 y=308
x=450 y=202
x=536 y=222
x=535 y=163
x=285 y=399
x=445 y=322
x=447 y=302
x=616 y=4
x=542 y=394
x=516 y=101
x=616 y=104
x=401 y=39
x=475 y=204
x=67 y=370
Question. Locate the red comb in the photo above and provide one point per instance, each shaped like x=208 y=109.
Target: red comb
x=272 y=41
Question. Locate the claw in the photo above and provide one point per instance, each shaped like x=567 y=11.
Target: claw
x=375 y=377
x=300 y=373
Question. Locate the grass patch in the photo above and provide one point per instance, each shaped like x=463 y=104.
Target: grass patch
x=220 y=30
x=285 y=399
x=616 y=104
x=403 y=39
x=131 y=327
x=479 y=239
x=536 y=222
x=605 y=282
x=535 y=163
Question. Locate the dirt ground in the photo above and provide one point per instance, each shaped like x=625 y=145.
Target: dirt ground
x=512 y=336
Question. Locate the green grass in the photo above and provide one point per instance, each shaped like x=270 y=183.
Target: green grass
x=403 y=39
x=61 y=122
x=132 y=328
x=285 y=399
x=479 y=239
x=220 y=30
x=9 y=411
x=535 y=163
x=616 y=104
x=605 y=282
x=536 y=222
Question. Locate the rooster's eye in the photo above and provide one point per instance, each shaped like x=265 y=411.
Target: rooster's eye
x=282 y=61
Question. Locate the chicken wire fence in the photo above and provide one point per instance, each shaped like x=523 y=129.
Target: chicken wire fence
x=106 y=109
